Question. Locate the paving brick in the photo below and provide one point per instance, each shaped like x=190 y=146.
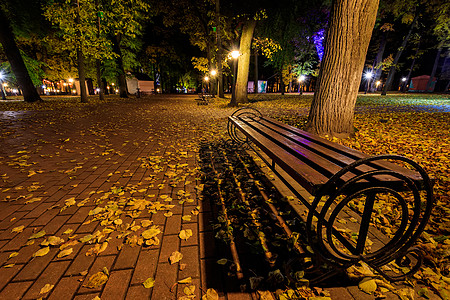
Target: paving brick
x=138 y=292
x=181 y=289
x=127 y=257
x=39 y=210
x=339 y=293
x=205 y=221
x=51 y=275
x=190 y=258
x=55 y=224
x=211 y=274
x=207 y=244
x=166 y=276
x=66 y=288
x=81 y=262
x=170 y=243
x=15 y=290
x=88 y=296
x=80 y=215
x=6 y=223
x=194 y=239
x=45 y=218
x=117 y=285
x=34 y=268
x=7 y=274
x=145 y=266
x=99 y=263
x=9 y=235
x=173 y=225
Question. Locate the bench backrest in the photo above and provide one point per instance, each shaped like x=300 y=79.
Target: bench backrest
x=312 y=160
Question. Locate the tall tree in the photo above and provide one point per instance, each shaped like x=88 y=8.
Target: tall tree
x=244 y=62
x=15 y=59
x=347 y=41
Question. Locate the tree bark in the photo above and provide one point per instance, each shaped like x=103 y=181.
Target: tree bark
x=122 y=78
x=244 y=61
x=15 y=59
x=392 y=70
x=281 y=86
x=347 y=41
x=430 y=88
x=82 y=75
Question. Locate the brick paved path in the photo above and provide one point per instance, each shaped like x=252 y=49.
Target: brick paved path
x=82 y=153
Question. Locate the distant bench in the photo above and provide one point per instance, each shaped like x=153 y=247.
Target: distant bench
x=340 y=180
x=204 y=98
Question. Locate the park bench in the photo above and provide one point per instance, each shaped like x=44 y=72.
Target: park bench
x=204 y=98
x=343 y=183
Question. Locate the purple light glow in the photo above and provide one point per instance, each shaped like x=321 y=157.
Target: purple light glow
x=318 y=38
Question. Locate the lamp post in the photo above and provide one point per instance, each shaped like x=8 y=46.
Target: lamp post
x=234 y=54
x=404 y=79
x=2 y=76
x=213 y=74
x=301 y=79
x=206 y=79
x=368 y=76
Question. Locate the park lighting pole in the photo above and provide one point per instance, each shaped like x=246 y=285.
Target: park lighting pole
x=404 y=84
x=368 y=76
x=206 y=79
x=2 y=76
x=234 y=54
x=213 y=74
x=301 y=79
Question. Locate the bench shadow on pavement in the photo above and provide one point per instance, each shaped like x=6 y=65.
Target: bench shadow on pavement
x=240 y=216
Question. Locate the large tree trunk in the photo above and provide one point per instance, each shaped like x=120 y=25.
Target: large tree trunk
x=122 y=78
x=14 y=57
x=82 y=75
x=347 y=41
x=392 y=70
x=244 y=61
x=430 y=86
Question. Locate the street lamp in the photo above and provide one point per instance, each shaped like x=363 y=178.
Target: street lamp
x=368 y=76
x=213 y=74
x=234 y=54
x=404 y=79
x=301 y=79
x=206 y=79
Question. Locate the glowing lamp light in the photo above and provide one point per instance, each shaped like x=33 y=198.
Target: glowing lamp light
x=206 y=78
x=301 y=78
x=70 y=80
x=5 y=84
x=2 y=76
x=213 y=72
x=112 y=83
x=378 y=83
x=235 y=54
x=368 y=75
x=404 y=79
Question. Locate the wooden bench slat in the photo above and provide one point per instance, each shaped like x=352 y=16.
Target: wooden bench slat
x=338 y=158
x=348 y=151
x=294 y=167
